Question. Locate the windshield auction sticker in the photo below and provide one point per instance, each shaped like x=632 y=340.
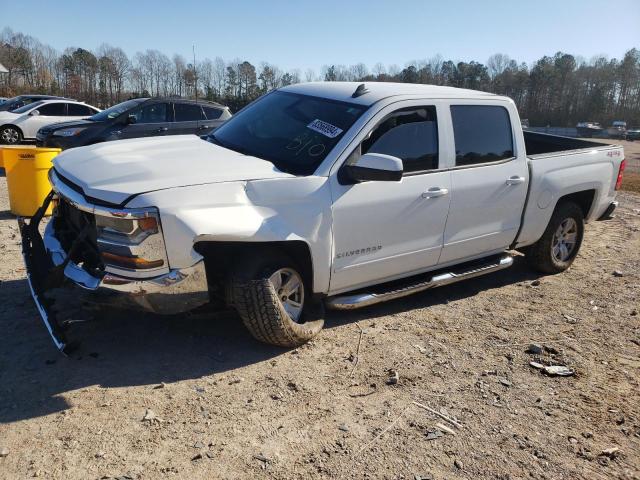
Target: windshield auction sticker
x=325 y=128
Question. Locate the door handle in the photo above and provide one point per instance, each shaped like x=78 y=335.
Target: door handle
x=435 y=192
x=162 y=129
x=515 y=180
x=204 y=127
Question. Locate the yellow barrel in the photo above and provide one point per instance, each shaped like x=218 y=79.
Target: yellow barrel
x=1 y=160
x=26 y=168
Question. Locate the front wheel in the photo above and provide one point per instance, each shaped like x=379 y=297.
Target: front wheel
x=10 y=135
x=273 y=302
x=559 y=245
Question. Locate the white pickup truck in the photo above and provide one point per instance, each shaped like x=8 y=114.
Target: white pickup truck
x=320 y=194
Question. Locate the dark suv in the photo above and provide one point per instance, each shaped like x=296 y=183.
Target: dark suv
x=11 y=104
x=141 y=117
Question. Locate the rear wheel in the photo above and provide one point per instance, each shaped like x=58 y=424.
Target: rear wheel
x=10 y=135
x=273 y=301
x=559 y=245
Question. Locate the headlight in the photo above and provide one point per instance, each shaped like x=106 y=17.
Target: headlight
x=68 y=132
x=128 y=230
x=131 y=240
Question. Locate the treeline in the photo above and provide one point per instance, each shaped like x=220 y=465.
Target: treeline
x=560 y=90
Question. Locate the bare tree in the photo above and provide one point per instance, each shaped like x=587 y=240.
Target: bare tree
x=496 y=64
x=309 y=75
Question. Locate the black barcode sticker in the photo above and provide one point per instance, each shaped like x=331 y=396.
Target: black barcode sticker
x=325 y=128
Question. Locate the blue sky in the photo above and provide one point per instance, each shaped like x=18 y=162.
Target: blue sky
x=308 y=34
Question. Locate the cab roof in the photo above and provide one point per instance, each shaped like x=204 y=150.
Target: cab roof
x=343 y=91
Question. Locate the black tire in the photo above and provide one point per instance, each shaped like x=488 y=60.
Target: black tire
x=10 y=135
x=255 y=299
x=541 y=255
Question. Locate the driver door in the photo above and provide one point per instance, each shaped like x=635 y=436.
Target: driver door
x=384 y=229
x=151 y=120
x=48 y=113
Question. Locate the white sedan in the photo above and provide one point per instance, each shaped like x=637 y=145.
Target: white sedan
x=23 y=123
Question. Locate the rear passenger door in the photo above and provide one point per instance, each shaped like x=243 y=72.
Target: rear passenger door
x=489 y=181
x=188 y=117
x=151 y=120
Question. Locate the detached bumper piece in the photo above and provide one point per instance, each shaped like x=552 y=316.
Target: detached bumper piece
x=41 y=274
x=49 y=267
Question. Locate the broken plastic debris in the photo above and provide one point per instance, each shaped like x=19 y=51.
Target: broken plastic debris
x=558 y=370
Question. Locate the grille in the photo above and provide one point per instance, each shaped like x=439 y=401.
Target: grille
x=69 y=223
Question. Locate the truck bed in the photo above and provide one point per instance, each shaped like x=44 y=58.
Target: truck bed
x=562 y=166
x=542 y=143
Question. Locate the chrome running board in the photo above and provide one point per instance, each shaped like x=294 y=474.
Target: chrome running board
x=364 y=299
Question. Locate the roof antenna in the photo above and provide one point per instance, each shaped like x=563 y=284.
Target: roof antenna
x=361 y=90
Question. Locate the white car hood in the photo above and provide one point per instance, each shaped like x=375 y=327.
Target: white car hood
x=115 y=171
x=8 y=115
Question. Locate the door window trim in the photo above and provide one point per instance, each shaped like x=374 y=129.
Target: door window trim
x=187 y=103
x=64 y=106
x=337 y=157
x=483 y=164
x=128 y=112
x=389 y=115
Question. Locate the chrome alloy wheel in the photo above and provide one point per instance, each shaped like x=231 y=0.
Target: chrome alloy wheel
x=10 y=135
x=288 y=285
x=564 y=240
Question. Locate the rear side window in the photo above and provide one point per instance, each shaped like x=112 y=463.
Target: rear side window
x=186 y=112
x=409 y=134
x=212 y=113
x=52 y=109
x=482 y=134
x=75 y=110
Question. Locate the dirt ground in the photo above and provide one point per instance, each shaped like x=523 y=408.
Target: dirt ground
x=220 y=405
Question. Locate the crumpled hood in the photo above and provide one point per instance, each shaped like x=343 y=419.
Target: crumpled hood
x=115 y=171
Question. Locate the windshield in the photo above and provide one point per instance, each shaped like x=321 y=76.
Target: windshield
x=294 y=132
x=28 y=107
x=116 y=110
x=12 y=103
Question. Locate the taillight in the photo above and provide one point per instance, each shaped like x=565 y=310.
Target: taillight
x=620 y=172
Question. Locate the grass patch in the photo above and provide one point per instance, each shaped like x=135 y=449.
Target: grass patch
x=631 y=182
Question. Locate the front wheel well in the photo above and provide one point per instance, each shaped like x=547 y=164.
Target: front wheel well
x=221 y=257
x=583 y=199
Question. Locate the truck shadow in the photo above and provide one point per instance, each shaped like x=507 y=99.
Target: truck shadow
x=122 y=348
x=118 y=349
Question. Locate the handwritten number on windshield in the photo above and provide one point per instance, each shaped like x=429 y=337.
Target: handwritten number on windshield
x=302 y=143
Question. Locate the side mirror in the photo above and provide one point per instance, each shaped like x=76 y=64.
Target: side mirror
x=35 y=113
x=131 y=119
x=372 y=167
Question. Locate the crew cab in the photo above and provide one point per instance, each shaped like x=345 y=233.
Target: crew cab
x=317 y=195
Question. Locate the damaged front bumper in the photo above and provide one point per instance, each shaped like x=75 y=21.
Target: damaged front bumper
x=49 y=267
